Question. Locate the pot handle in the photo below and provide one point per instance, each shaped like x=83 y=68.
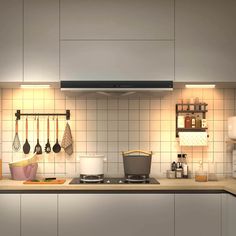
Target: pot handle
x=135 y=151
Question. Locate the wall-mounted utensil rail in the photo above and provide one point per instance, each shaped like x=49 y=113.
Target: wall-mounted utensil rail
x=18 y=114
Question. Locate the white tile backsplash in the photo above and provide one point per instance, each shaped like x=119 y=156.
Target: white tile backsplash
x=110 y=126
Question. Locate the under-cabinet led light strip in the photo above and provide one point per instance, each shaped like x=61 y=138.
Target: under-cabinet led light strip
x=36 y=86
x=200 y=85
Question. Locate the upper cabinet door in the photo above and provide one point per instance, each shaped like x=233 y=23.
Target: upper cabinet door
x=117 y=60
x=205 y=40
x=41 y=40
x=112 y=19
x=11 y=41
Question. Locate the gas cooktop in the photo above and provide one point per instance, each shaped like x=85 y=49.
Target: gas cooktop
x=116 y=181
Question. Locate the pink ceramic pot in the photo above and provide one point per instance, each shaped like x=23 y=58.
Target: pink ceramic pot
x=27 y=172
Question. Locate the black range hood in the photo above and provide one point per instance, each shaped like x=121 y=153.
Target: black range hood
x=117 y=86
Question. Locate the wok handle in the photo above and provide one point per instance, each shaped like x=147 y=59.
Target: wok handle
x=135 y=151
x=26 y=128
x=48 y=128
x=16 y=126
x=37 y=128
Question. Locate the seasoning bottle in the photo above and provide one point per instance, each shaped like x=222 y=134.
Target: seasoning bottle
x=180 y=105
x=191 y=107
x=198 y=122
x=204 y=123
x=179 y=168
x=197 y=104
x=173 y=166
x=185 y=104
x=193 y=121
x=180 y=122
x=188 y=123
x=179 y=173
x=185 y=166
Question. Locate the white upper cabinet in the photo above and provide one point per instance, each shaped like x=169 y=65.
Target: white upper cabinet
x=205 y=40
x=11 y=41
x=112 y=19
x=41 y=40
x=117 y=60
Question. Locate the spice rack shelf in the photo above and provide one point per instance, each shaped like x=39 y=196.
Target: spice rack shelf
x=231 y=141
x=190 y=108
x=192 y=129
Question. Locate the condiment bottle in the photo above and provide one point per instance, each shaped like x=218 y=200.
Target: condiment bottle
x=179 y=169
x=204 y=123
x=188 y=122
x=180 y=122
x=198 y=122
x=185 y=104
x=173 y=166
x=191 y=107
x=185 y=166
x=180 y=105
x=197 y=104
x=193 y=121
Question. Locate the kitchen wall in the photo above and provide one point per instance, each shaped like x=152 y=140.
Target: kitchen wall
x=110 y=126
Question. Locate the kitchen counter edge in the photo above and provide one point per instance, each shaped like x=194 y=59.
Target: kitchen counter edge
x=165 y=186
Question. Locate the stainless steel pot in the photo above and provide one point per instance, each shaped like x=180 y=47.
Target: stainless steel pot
x=137 y=163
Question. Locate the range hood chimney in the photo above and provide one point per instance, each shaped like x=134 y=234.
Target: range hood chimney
x=117 y=86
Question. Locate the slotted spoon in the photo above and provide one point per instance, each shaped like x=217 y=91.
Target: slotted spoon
x=16 y=141
x=38 y=148
x=48 y=146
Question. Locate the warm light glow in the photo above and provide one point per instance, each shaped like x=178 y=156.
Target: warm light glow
x=200 y=85
x=35 y=86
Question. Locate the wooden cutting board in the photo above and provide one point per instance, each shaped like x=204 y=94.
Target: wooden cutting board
x=55 y=181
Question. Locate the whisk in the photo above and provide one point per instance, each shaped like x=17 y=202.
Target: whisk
x=16 y=141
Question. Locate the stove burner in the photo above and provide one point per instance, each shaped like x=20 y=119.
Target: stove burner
x=114 y=181
x=91 y=178
x=137 y=178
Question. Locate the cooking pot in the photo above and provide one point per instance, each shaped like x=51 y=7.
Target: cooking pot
x=138 y=164
x=91 y=165
x=25 y=169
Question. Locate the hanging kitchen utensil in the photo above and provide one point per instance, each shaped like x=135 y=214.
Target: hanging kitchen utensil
x=38 y=148
x=56 y=148
x=67 y=142
x=26 y=146
x=16 y=141
x=48 y=146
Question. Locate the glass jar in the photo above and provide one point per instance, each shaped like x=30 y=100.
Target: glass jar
x=201 y=176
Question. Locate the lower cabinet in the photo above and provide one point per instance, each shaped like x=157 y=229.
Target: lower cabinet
x=10 y=215
x=116 y=214
x=198 y=214
x=229 y=215
x=38 y=215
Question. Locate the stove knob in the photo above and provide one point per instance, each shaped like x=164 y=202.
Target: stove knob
x=108 y=181
x=120 y=182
